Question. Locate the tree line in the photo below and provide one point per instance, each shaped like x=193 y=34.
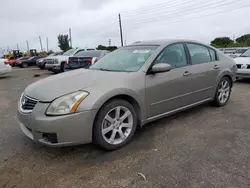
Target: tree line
x=227 y=42
x=63 y=44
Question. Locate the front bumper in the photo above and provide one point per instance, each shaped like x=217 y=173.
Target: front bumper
x=57 y=131
x=243 y=73
x=51 y=65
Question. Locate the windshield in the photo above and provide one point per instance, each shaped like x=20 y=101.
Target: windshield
x=88 y=54
x=69 y=52
x=246 y=53
x=128 y=59
x=53 y=54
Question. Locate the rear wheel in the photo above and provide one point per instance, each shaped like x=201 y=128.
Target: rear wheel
x=223 y=92
x=24 y=65
x=115 y=125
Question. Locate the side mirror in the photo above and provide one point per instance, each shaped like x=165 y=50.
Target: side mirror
x=160 y=67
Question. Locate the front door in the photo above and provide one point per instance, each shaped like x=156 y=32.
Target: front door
x=167 y=91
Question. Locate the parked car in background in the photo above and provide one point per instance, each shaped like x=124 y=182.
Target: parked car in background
x=243 y=65
x=56 y=63
x=31 y=61
x=13 y=61
x=130 y=87
x=42 y=61
x=84 y=59
x=234 y=52
x=4 y=67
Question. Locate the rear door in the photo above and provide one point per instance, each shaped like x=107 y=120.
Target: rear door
x=203 y=72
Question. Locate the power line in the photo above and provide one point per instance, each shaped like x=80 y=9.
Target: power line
x=152 y=6
x=177 y=14
x=162 y=6
x=207 y=15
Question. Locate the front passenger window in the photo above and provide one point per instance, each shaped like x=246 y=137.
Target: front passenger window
x=174 y=55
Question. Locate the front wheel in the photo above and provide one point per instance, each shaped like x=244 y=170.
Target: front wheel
x=223 y=92
x=24 y=65
x=115 y=124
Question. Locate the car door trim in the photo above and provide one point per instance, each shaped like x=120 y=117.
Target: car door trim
x=176 y=110
x=180 y=96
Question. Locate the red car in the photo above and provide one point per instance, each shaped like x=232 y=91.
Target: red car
x=13 y=61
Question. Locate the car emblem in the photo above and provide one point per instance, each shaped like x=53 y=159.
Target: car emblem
x=244 y=67
x=23 y=101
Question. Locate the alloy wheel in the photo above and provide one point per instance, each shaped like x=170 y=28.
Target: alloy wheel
x=224 y=91
x=117 y=125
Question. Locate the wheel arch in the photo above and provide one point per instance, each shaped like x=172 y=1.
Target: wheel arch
x=227 y=74
x=128 y=98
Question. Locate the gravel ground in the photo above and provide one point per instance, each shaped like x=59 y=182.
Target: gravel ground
x=201 y=147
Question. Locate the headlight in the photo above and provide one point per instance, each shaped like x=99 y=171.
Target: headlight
x=66 y=104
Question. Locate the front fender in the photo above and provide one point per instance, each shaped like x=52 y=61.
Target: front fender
x=96 y=102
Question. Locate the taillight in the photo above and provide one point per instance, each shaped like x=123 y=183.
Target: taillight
x=96 y=60
x=6 y=63
x=89 y=60
x=68 y=61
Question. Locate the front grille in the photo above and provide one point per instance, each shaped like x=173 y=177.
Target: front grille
x=238 y=66
x=28 y=103
x=248 y=66
x=49 y=61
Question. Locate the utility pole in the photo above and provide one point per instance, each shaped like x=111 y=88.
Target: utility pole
x=47 y=42
x=70 y=37
x=120 y=25
x=17 y=47
x=28 y=48
x=109 y=42
x=41 y=43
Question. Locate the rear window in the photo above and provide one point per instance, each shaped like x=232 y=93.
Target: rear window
x=88 y=54
x=213 y=54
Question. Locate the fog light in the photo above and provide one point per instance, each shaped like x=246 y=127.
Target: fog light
x=50 y=137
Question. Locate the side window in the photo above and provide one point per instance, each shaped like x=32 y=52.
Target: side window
x=174 y=55
x=213 y=54
x=79 y=52
x=199 y=54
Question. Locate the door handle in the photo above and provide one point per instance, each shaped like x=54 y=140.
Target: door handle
x=186 y=73
x=216 y=67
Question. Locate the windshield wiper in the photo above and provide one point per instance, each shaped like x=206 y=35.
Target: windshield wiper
x=102 y=69
x=244 y=56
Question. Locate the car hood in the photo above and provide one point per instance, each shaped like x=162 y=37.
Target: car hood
x=48 y=89
x=59 y=57
x=242 y=60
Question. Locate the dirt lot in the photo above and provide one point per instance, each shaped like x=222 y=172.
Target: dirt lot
x=202 y=147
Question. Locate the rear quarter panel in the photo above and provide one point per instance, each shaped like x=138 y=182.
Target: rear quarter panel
x=227 y=67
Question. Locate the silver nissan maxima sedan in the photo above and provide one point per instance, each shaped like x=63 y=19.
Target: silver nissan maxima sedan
x=126 y=89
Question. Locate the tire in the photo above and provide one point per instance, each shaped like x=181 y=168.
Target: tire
x=118 y=133
x=42 y=67
x=62 y=67
x=223 y=92
x=25 y=65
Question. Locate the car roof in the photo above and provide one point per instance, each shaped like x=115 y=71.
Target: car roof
x=163 y=42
